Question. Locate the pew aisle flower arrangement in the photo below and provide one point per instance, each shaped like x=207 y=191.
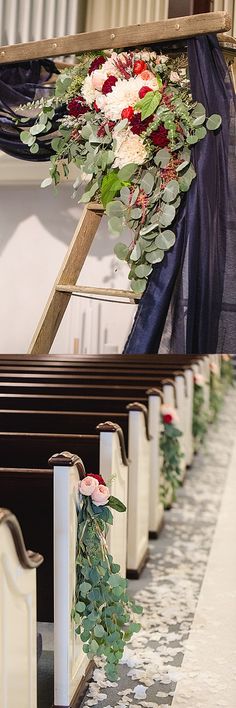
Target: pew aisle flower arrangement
x=103 y=612
x=171 y=452
x=127 y=120
x=200 y=418
x=216 y=393
x=227 y=372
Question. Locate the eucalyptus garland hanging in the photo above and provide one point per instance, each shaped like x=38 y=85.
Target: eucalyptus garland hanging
x=200 y=418
x=172 y=455
x=127 y=120
x=103 y=612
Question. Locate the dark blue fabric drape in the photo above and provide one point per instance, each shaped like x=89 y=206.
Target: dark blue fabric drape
x=20 y=83
x=190 y=302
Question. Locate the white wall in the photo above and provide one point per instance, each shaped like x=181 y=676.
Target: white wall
x=36 y=227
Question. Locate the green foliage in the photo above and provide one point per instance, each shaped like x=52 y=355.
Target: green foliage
x=216 y=396
x=103 y=612
x=200 y=419
x=146 y=197
x=227 y=373
x=172 y=455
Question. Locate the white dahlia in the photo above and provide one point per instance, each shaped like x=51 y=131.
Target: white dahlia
x=129 y=148
x=125 y=93
x=88 y=91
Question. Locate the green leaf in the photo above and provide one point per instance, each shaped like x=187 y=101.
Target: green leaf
x=149 y=247
x=148 y=229
x=93 y=646
x=155 y=256
x=143 y=270
x=139 y=285
x=182 y=166
x=125 y=195
x=115 y=208
x=114 y=580
x=201 y=132
x=115 y=224
x=34 y=148
x=80 y=607
x=121 y=251
x=199 y=115
x=214 y=122
x=147 y=182
x=171 y=191
x=165 y=240
x=46 y=182
x=116 y=504
x=186 y=180
x=84 y=589
x=99 y=631
x=136 y=213
x=192 y=139
x=162 y=158
x=136 y=252
x=148 y=104
x=166 y=214
x=25 y=136
x=127 y=171
x=37 y=128
x=111 y=185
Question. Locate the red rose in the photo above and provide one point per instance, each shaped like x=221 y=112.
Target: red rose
x=127 y=113
x=138 y=125
x=159 y=137
x=98 y=477
x=167 y=418
x=139 y=66
x=77 y=107
x=96 y=63
x=108 y=84
x=143 y=91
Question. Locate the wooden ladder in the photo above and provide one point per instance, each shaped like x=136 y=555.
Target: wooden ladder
x=65 y=283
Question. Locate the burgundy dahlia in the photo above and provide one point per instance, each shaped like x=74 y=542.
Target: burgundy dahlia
x=159 y=137
x=96 y=63
x=77 y=107
x=108 y=84
x=137 y=125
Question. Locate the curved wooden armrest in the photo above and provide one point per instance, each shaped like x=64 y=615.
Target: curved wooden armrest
x=69 y=459
x=28 y=559
x=110 y=427
x=136 y=406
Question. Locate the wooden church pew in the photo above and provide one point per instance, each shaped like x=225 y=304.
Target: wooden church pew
x=18 y=655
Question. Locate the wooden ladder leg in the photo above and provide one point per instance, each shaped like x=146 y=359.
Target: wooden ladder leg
x=68 y=274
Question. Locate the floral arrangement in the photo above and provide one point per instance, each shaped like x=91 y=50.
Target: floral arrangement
x=103 y=613
x=216 y=392
x=200 y=419
x=172 y=455
x=127 y=120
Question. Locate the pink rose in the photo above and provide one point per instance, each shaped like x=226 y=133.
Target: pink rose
x=88 y=485
x=199 y=379
x=100 y=495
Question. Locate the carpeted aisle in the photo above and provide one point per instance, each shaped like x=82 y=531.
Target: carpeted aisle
x=170 y=585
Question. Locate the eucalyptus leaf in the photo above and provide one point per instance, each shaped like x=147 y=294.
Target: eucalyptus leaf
x=171 y=191
x=136 y=252
x=162 y=158
x=121 y=251
x=147 y=182
x=136 y=213
x=214 y=121
x=143 y=270
x=186 y=179
x=115 y=224
x=125 y=195
x=139 y=285
x=149 y=228
x=134 y=196
x=34 y=148
x=37 y=128
x=25 y=136
x=155 y=256
x=165 y=240
x=126 y=172
x=115 y=208
x=46 y=182
x=166 y=214
x=149 y=247
x=201 y=132
x=192 y=139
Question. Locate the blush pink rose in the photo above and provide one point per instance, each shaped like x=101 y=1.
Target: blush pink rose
x=100 y=495
x=88 y=485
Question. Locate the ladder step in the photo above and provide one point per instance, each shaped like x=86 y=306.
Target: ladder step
x=108 y=292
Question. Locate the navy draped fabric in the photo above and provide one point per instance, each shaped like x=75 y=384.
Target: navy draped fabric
x=189 y=305
x=21 y=83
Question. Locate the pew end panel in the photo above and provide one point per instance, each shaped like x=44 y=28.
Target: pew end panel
x=156 y=508
x=138 y=490
x=18 y=646
x=72 y=669
x=114 y=470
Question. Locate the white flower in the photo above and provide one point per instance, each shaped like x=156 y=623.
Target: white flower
x=87 y=90
x=163 y=59
x=174 y=77
x=125 y=93
x=129 y=148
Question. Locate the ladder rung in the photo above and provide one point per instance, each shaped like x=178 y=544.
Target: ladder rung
x=108 y=292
